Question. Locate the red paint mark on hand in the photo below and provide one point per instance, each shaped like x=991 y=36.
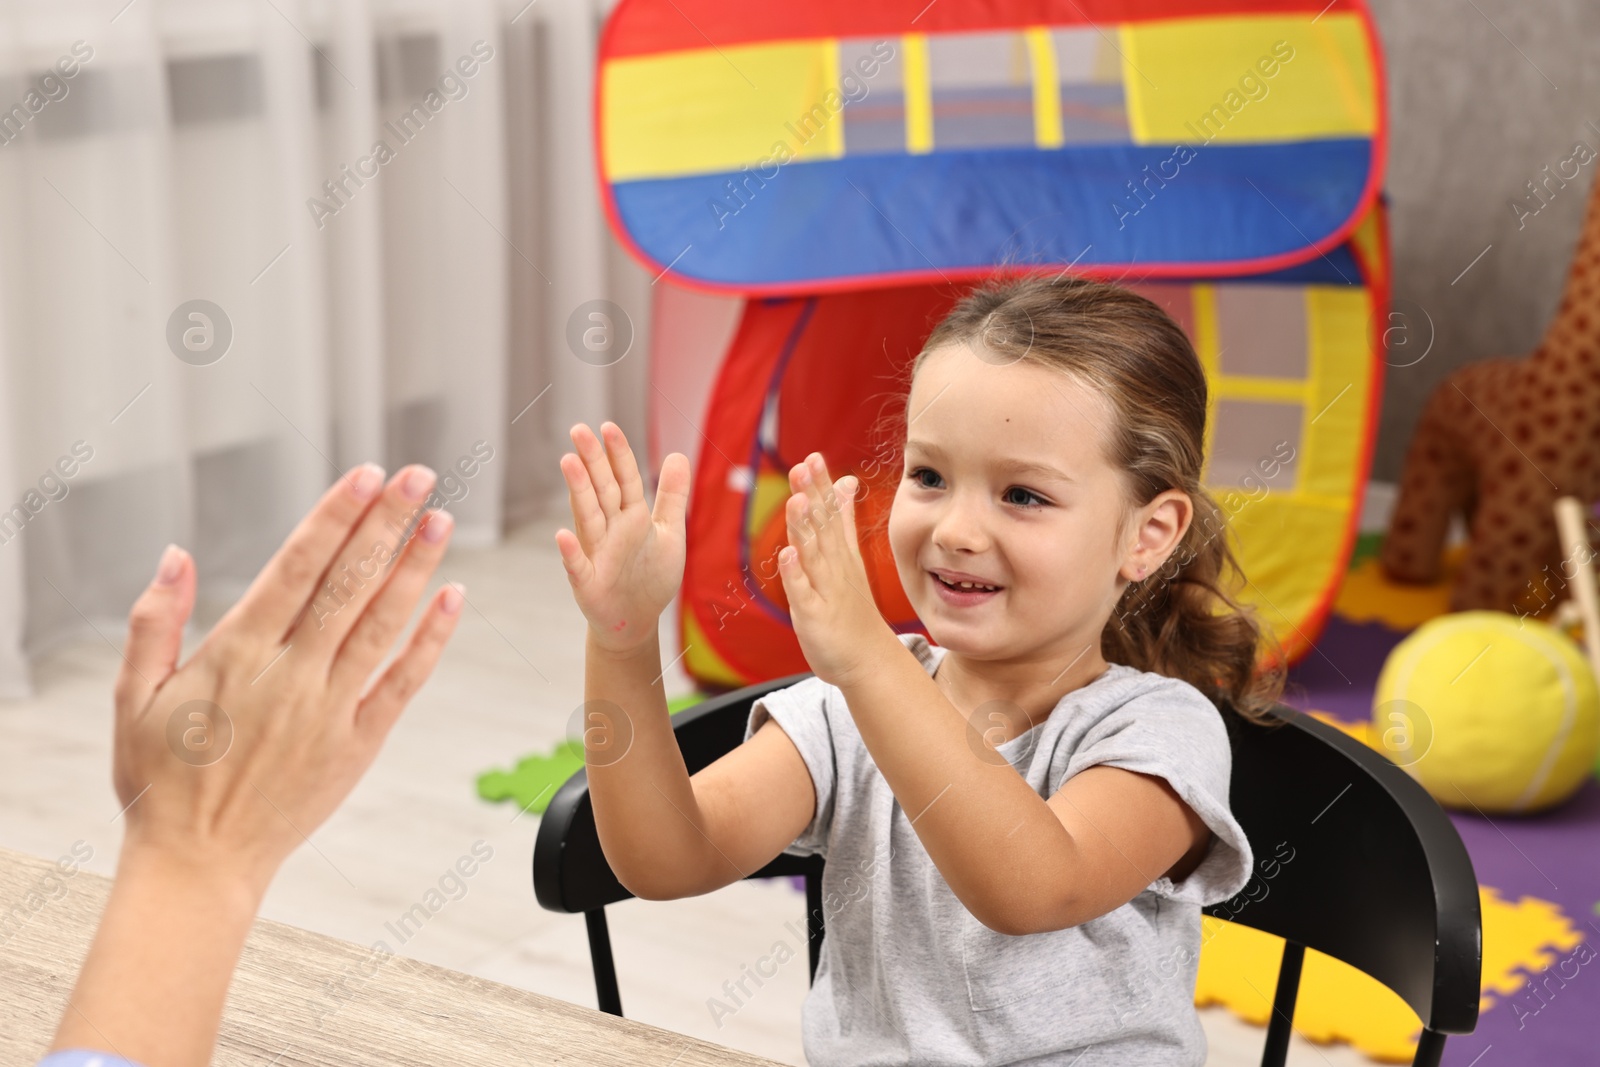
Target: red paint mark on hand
x=619 y=625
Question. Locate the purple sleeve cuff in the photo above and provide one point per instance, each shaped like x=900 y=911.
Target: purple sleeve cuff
x=80 y=1057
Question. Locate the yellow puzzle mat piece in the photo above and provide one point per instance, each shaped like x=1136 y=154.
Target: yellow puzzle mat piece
x=1361 y=731
x=1368 y=595
x=1239 y=969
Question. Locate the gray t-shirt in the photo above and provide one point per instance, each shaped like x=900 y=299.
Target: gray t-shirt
x=907 y=975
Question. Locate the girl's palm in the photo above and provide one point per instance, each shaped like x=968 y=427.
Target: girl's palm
x=625 y=562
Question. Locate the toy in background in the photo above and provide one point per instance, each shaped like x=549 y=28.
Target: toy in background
x=1496 y=712
x=1498 y=442
x=1491 y=713
x=1582 y=608
x=536 y=777
x=1581 y=611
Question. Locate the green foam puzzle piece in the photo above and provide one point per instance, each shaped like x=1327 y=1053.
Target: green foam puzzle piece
x=535 y=778
x=1367 y=544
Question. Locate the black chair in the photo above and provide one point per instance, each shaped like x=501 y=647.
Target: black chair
x=1377 y=876
x=570 y=873
x=1354 y=859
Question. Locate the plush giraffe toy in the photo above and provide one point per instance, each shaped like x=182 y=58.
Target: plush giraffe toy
x=1498 y=442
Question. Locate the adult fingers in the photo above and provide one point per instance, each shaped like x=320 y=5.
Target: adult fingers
x=399 y=683
x=286 y=585
x=630 y=486
x=375 y=631
x=588 y=517
x=155 y=630
x=361 y=567
x=598 y=464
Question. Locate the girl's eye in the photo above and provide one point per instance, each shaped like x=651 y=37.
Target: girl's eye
x=1024 y=498
x=1038 y=500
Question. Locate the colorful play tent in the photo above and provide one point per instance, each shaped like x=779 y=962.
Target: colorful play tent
x=847 y=170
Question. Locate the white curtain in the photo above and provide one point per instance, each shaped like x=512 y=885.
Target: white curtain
x=245 y=245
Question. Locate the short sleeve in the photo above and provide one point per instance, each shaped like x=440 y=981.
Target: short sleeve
x=1176 y=733
x=801 y=711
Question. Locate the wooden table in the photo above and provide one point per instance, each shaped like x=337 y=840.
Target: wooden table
x=304 y=998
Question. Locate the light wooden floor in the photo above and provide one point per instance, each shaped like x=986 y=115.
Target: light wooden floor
x=507 y=686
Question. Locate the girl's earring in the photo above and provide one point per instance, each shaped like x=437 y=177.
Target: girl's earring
x=1141 y=572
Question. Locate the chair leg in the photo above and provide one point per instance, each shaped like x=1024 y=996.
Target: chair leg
x=1430 y=1049
x=605 y=971
x=1279 y=1026
x=814 y=921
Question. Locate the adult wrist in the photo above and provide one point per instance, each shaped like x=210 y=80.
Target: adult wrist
x=231 y=883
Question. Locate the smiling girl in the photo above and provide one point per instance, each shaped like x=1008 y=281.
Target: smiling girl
x=1038 y=796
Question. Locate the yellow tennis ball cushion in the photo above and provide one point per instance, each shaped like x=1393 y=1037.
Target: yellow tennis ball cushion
x=1489 y=711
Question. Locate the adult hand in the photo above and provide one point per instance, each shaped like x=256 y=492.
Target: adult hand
x=242 y=752
x=226 y=763
x=625 y=563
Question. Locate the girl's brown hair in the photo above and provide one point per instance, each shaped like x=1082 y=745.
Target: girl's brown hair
x=1182 y=621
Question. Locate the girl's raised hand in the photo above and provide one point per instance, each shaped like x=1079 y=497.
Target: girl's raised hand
x=625 y=562
x=840 y=629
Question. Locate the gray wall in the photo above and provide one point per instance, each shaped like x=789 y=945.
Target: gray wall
x=1472 y=119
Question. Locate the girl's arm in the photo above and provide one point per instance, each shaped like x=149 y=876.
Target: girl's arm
x=668 y=835
x=1019 y=864
x=664 y=834
x=1104 y=836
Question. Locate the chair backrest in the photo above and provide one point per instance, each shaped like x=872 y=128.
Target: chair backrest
x=1356 y=860
x=570 y=872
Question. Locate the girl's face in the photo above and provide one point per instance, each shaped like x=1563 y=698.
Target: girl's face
x=1005 y=484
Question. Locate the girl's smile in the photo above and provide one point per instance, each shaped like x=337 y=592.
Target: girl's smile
x=962 y=589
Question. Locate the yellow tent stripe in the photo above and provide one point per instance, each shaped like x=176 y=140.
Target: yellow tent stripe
x=1340 y=504
x=698 y=111
x=1251 y=387
x=835 y=129
x=919 y=95
x=1047 y=131
x=693 y=112
x=1340 y=319
x=1134 y=89
x=1355 y=94
x=1249 y=79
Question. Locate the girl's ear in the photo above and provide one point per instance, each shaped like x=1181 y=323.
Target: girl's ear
x=1160 y=526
